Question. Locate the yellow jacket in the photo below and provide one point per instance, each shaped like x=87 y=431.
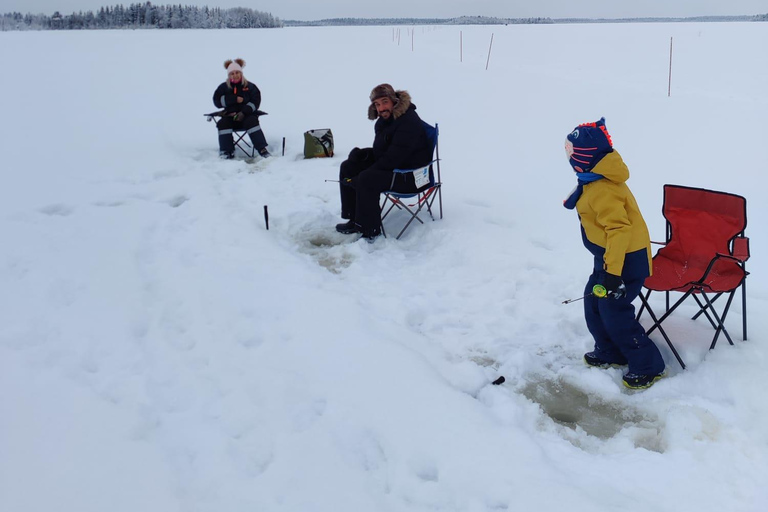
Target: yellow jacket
x=610 y=217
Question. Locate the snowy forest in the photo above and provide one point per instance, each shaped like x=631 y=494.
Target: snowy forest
x=144 y=15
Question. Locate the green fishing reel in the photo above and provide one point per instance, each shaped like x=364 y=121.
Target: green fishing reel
x=599 y=291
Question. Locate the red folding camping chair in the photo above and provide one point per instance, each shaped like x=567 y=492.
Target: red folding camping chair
x=704 y=257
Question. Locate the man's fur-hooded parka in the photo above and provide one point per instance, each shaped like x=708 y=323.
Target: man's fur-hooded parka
x=401 y=141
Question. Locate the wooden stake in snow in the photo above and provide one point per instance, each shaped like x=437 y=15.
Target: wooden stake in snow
x=489 y=53
x=669 y=87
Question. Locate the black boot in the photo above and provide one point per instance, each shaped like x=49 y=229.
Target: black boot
x=636 y=381
x=348 y=228
x=592 y=359
x=370 y=235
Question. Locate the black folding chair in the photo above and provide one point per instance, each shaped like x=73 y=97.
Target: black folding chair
x=239 y=135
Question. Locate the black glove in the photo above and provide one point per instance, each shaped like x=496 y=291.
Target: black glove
x=238 y=117
x=614 y=285
x=349 y=182
x=355 y=155
x=361 y=155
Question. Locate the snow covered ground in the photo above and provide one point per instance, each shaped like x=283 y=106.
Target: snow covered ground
x=160 y=350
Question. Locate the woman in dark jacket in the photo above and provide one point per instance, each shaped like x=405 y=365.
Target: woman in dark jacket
x=240 y=100
x=400 y=143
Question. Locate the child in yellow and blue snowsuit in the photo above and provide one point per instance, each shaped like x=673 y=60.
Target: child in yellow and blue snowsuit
x=614 y=231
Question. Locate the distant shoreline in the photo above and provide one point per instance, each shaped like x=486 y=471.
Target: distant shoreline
x=484 y=20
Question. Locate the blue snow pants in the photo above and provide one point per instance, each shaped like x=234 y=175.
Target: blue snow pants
x=619 y=338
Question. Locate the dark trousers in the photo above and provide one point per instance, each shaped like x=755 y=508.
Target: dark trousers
x=360 y=197
x=619 y=338
x=250 y=124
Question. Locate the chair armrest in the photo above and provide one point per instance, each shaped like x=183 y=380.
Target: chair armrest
x=741 y=248
x=726 y=256
x=403 y=171
x=712 y=264
x=219 y=113
x=222 y=113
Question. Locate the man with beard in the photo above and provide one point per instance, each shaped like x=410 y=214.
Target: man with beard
x=400 y=142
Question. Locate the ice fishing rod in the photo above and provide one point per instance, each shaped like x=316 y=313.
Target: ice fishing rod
x=598 y=291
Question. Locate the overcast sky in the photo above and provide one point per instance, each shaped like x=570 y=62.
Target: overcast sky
x=318 y=9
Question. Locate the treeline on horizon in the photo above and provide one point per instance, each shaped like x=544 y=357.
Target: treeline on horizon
x=146 y=15
x=150 y=16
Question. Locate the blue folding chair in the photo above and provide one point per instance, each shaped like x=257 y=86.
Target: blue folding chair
x=425 y=196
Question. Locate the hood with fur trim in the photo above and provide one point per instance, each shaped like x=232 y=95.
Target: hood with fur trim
x=401 y=107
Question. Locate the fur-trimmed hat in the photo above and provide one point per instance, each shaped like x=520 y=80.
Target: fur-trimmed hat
x=400 y=99
x=383 y=91
x=234 y=65
x=587 y=144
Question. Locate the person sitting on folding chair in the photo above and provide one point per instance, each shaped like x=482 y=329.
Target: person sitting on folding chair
x=400 y=142
x=240 y=100
x=614 y=231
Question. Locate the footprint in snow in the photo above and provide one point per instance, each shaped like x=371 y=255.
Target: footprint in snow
x=59 y=209
x=177 y=201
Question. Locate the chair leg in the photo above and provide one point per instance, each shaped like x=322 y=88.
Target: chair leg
x=703 y=309
x=642 y=307
x=744 y=310
x=714 y=299
x=414 y=215
x=251 y=152
x=394 y=203
x=720 y=325
x=657 y=323
x=440 y=195
x=668 y=312
x=435 y=192
x=424 y=200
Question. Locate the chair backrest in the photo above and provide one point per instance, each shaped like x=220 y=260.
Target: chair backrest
x=432 y=133
x=701 y=223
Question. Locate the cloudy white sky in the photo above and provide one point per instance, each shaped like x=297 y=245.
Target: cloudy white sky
x=314 y=9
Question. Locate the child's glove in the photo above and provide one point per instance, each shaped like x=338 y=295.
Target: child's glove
x=614 y=286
